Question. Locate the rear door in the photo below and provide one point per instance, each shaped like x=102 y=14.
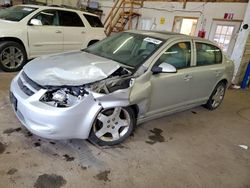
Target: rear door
x=74 y=30
x=47 y=36
x=208 y=69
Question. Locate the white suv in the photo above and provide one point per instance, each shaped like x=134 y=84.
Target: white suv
x=29 y=31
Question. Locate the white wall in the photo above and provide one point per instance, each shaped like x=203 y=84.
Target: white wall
x=2 y=2
x=72 y=3
x=168 y=10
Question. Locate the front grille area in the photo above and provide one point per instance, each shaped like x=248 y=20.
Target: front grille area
x=25 y=84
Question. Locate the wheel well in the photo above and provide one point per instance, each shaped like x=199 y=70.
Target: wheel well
x=135 y=108
x=12 y=39
x=92 y=42
x=224 y=81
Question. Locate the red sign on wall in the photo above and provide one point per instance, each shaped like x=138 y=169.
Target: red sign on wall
x=228 y=16
x=201 y=33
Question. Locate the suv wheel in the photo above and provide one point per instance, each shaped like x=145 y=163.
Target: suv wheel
x=12 y=56
x=217 y=97
x=112 y=126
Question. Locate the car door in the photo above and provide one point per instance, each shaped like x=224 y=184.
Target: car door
x=44 y=33
x=74 y=30
x=172 y=90
x=207 y=71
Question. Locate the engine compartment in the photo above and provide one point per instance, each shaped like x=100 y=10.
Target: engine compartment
x=66 y=96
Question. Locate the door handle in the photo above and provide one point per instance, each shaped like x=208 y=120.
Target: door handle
x=188 y=77
x=58 y=31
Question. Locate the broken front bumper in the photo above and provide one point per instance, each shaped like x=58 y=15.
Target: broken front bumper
x=52 y=122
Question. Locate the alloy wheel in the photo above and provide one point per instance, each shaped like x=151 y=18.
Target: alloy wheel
x=218 y=96
x=112 y=124
x=11 y=57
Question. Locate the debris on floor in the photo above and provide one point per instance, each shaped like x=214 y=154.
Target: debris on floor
x=243 y=146
x=233 y=86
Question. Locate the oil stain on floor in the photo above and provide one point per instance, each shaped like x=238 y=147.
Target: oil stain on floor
x=68 y=158
x=12 y=171
x=2 y=147
x=103 y=176
x=156 y=137
x=11 y=130
x=50 y=181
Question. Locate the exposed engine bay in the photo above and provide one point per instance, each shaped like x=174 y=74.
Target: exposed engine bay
x=66 y=96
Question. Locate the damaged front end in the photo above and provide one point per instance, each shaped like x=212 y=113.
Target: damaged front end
x=109 y=92
x=66 y=112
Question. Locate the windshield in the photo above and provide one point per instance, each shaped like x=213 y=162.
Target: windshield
x=126 y=48
x=16 y=13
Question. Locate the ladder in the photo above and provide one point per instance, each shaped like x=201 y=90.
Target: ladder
x=122 y=15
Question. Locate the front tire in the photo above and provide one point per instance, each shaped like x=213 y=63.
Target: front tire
x=12 y=56
x=216 y=97
x=112 y=126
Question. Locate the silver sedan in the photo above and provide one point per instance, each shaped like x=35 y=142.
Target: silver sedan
x=103 y=91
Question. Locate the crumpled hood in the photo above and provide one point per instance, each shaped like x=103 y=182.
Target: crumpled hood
x=69 y=69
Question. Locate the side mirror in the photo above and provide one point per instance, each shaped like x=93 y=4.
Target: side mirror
x=35 y=22
x=164 y=68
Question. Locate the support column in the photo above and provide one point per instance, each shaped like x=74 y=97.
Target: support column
x=239 y=48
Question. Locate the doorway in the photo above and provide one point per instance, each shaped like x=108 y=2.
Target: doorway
x=185 y=25
x=224 y=33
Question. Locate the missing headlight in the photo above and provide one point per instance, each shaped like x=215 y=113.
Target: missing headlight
x=64 y=97
x=60 y=96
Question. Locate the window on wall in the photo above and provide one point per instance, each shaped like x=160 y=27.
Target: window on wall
x=207 y=54
x=223 y=35
x=185 y=25
x=178 y=55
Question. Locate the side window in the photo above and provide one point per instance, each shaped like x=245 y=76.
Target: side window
x=178 y=55
x=94 y=21
x=48 y=17
x=70 y=19
x=207 y=54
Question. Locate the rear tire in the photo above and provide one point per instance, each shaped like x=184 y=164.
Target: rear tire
x=216 y=97
x=12 y=56
x=112 y=126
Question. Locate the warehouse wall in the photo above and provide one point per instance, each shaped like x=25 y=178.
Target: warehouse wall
x=204 y=11
x=200 y=10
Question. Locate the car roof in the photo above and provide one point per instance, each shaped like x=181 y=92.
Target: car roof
x=167 y=35
x=57 y=8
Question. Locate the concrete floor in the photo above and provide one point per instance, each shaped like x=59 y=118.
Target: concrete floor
x=195 y=148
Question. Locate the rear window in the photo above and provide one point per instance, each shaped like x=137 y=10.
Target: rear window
x=207 y=54
x=94 y=21
x=70 y=19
